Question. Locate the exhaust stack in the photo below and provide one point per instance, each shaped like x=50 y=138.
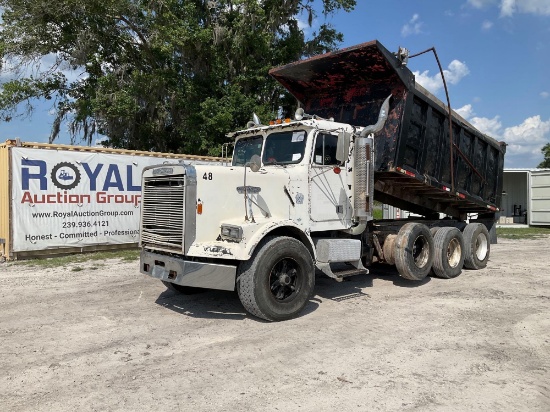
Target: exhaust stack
x=363 y=167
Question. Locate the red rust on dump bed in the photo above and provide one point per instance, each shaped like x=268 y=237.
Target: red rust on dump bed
x=349 y=84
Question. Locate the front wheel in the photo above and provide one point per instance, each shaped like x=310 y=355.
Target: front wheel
x=277 y=282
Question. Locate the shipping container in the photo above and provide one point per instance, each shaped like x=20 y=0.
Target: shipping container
x=62 y=199
x=4 y=200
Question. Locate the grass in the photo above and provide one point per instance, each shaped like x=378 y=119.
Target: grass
x=377 y=211
x=522 y=233
x=123 y=254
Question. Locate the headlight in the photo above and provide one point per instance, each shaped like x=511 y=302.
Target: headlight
x=230 y=232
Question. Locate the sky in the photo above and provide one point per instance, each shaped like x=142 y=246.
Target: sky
x=496 y=56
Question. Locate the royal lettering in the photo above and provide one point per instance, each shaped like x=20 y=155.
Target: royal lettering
x=113 y=177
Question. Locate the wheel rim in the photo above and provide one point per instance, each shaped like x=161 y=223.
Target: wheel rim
x=283 y=280
x=421 y=252
x=481 y=247
x=454 y=251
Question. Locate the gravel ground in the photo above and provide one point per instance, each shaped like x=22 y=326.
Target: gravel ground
x=107 y=338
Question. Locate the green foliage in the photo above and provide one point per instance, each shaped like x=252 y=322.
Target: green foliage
x=545 y=164
x=170 y=76
x=378 y=211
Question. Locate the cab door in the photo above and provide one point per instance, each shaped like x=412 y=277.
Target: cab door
x=330 y=206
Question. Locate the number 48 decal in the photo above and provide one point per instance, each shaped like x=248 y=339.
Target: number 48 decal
x=207 y=176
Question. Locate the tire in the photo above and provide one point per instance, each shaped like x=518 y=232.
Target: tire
x=477 y=246
x=277 y=282
x=389 y=249
x=414 y=251
x=184 y=290
x=448 y=253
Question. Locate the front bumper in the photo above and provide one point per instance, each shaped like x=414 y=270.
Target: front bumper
x=187 y=273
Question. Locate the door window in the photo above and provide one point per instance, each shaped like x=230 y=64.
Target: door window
x=325 y=149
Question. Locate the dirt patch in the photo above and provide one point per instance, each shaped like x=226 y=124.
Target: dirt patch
x=105 y=337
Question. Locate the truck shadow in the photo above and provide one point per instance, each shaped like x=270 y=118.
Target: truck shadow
x=389 y=273
x=210 y=304
x=220 y=304
x=215 y=304
x=352 y=287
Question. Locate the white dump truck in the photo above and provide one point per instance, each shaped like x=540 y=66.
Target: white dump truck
x=297 y=197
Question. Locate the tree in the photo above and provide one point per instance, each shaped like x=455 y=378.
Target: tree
x=545 y=164
x=170 y=75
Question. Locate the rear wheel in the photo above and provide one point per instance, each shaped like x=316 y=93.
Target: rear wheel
x=448 y=252
x=477 y=245
x=277 y=282
x=414 y=251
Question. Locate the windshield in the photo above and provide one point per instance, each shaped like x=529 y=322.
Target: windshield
x=284 y=147
x=245 y=148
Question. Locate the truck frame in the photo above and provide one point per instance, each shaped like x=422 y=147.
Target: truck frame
x=298 y=195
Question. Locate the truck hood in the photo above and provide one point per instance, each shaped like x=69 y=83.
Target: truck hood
x=220 y=192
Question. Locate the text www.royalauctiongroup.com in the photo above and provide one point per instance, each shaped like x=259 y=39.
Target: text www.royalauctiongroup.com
x=88 y=213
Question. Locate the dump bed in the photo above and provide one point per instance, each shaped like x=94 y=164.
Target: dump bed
x=413 y=153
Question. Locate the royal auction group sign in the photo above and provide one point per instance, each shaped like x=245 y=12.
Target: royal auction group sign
x=74 y=199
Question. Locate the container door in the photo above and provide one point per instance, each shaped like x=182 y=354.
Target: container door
x=540 y=198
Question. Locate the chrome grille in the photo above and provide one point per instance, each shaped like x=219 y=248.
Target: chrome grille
x=163 y=211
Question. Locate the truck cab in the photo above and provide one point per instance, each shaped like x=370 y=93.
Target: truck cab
x=290 y=188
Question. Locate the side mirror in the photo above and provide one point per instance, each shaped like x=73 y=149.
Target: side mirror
x=342 y=147
x=255 y=163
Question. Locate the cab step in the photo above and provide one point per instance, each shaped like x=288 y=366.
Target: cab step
x=340 y=275
x=339 y=271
